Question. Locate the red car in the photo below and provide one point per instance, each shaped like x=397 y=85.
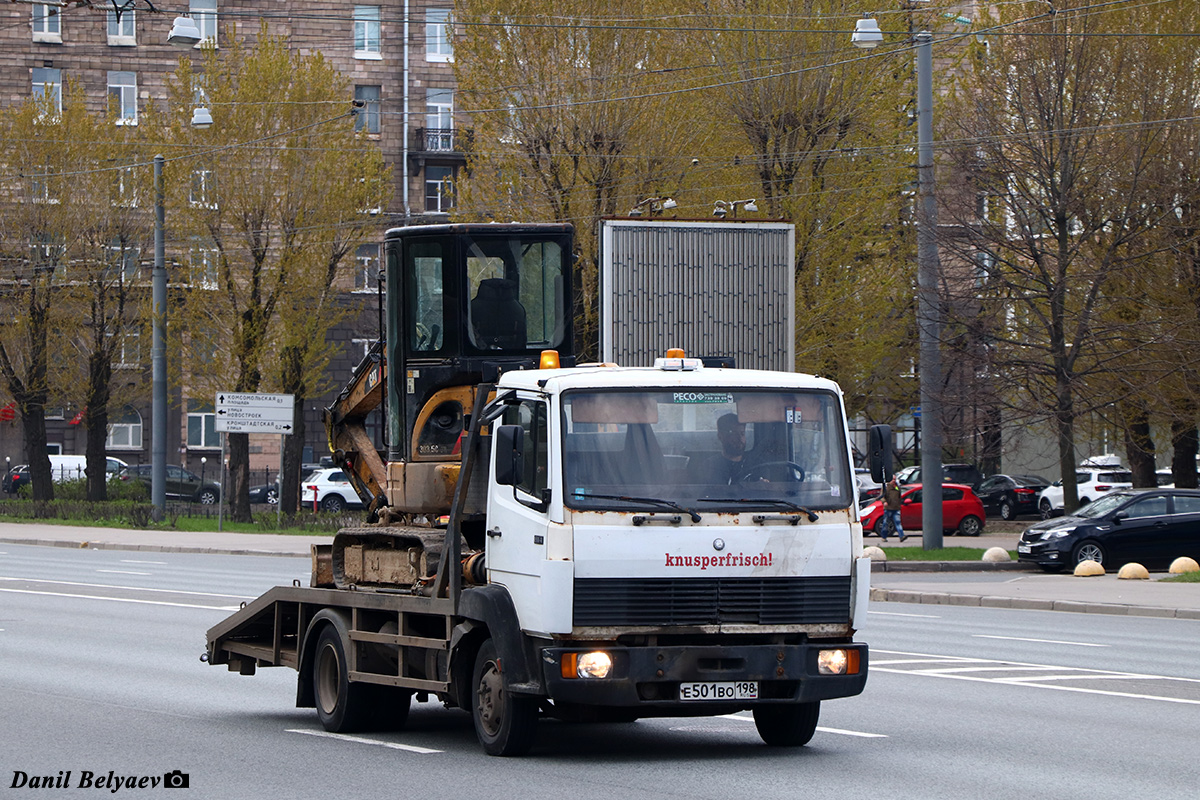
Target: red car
x=962 y=511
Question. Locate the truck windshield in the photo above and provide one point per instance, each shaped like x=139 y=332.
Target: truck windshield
x=697 y=447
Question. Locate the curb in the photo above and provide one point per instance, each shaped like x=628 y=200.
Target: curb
x=950 y=566
x=988 y=601
x=151 y=548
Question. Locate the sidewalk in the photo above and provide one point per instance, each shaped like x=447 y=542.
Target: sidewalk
x=964 y=583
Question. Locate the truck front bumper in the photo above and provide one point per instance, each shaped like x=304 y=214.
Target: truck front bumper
x=650 y=677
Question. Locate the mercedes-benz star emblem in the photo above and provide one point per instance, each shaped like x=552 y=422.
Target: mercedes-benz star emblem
x=718 y=545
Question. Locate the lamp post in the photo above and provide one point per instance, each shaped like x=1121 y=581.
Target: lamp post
x=929 y=316
x=184 y=34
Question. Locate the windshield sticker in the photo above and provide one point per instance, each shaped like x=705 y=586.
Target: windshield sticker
x=727 y=560
x=703 y=397
x=792 y=416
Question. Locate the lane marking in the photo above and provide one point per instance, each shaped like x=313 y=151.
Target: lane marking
x=839 y=731
x=1033 y=681
x=135 y=561
x=362 y=740
x=897 y=614
x=1040 y=641
x=126 y=588
x=120 y=599
x=123 y=572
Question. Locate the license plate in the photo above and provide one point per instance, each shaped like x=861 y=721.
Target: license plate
x=719 y=690
x=1024 y=548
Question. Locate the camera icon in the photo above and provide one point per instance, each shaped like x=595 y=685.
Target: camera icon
x=177 y=780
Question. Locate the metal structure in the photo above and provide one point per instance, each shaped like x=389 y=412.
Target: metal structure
x=714 y=289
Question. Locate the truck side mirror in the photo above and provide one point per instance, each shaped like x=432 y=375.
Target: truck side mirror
x=879 y=448
x=510 y=454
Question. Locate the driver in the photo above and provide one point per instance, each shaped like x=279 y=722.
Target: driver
x=726 y=466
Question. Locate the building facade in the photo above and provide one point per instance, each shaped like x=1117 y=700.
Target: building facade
x=397 y=58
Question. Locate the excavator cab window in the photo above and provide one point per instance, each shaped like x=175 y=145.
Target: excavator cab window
x=514 y=287
x=428 y=320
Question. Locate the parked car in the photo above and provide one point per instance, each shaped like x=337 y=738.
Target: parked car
x=15 y=478
x=181 y=484
x=1150 y=526
x=269 y=493
x=1091 y=483
x=961 y=511
x=868 y=489
x=967 y=474
x=330 y=489
x=1010 y=495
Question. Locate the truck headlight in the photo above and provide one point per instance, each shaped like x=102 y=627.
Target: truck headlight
x=586 y=665
x=837 y=662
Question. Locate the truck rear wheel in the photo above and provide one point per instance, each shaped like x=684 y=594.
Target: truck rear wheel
x=341 y=705
x=505 y=723
x=787 y=725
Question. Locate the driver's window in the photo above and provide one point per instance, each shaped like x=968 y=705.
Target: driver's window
x=531 y=416
x=1147 y=507
x=915 y=497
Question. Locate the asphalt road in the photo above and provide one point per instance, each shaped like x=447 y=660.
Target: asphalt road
x=100 y=671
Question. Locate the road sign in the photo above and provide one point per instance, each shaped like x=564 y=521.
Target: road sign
x=239 y=412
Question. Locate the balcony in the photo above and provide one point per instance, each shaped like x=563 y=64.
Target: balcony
x=443 y=147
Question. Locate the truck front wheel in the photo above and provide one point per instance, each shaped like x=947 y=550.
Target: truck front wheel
x=787 y=725
x=505 y=723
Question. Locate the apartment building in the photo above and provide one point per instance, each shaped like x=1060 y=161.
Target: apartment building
x=397 y=58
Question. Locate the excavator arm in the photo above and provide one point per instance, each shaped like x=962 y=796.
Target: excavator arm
x=345 y=427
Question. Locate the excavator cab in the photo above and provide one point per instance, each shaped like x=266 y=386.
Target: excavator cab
x=464 y=303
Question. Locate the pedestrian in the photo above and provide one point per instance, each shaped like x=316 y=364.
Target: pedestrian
x=891 y=512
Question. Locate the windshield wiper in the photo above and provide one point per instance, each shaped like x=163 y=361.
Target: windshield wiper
x=654 y=501
x=775 y=501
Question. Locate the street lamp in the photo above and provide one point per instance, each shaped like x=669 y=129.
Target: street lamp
x=723 y=207
x=653 y=206
x=929 y=316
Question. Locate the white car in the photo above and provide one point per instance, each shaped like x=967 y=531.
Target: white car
x=329 y=490
x=1091 y=483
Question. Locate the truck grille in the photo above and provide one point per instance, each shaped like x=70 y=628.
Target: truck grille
x=711 y=601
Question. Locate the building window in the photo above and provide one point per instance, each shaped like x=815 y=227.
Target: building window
x=203 y=191
x=437 y=35
x=47 y=84
x=122 y=31
x=439 y=189
x=128 y=352
x=42 y=187
x=367 y=32
x=203 y=267
x=367 y=118
x=125 y=430
x=439 y=120
x=121 y=262
x=366 y=268
x=204 y=12
x=47 y=24
x=122 y=91
x=202 y=425
x=125 y=188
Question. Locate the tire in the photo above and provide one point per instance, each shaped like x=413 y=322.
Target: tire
x=333 y=503
x=1045 y=510
x=341 y=705
x=272 y=497
x=970 y=525
x=1089 y=550
x=880 y=526
x=787 y=725
x=207 y=497
x=1007 y=512
x=505 y=723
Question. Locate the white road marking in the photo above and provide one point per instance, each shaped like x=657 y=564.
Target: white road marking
x=840 y=731
x=123 y=572
x=362 y=740
x=1033 y=681
x=897 y=614
x=120 y=599
x=127 y=588
x=134 y=561
x=1040 y=641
